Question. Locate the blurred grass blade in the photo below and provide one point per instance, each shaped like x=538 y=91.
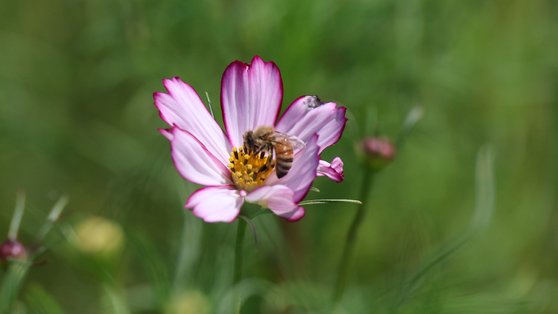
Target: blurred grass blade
x=40 y=301
x=152 y=264
x=300 y=296
x=485 y=189
x=189 y=251
x=329 y=200
x=52 y=218
x=252 y=227
x=413 y=117
x=11 y=284
x=242 y=291
x=16 y=218
x=485 y=200
x=114 y=301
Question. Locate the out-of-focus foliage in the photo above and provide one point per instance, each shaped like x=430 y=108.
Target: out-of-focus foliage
x=76 y=118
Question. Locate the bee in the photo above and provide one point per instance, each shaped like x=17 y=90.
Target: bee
x=279 y=145
x=313 y=102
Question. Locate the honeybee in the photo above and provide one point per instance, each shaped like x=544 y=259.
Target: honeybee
x=279 y=145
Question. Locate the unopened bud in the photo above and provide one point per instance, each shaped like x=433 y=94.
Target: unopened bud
x=379 y=152
x=12 y=249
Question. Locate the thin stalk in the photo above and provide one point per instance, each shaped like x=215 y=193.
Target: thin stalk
x=328 y=200
x=181 y=261
x=52 y=218
x=341 y=281
x=16 y=218
x=240 y=231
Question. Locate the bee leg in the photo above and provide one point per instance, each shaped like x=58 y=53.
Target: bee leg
x=270 y=160
x=261 y=149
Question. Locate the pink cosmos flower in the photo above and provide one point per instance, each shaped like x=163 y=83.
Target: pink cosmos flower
x=251 y=96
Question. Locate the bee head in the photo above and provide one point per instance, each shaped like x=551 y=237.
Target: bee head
x=249 y=138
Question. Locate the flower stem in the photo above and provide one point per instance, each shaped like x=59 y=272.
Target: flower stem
x=341 y=280
x=240 y=231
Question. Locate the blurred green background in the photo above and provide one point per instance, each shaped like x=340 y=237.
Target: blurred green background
x=77 y=119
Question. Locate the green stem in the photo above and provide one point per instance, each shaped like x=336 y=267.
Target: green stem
x=240 y=231
x=342 y=271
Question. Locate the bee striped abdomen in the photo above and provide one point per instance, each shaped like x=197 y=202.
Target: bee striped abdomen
x=283 y=159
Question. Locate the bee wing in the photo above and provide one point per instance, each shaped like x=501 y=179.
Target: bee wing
x=295 y=142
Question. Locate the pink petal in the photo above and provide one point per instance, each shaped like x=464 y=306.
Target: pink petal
x=215 y=203
x=194 y=162
x=334 y=171
x=279 y=199
x=167 y=133
x=306 y=116
x=296 y=215
x=182 y=107
x=303 y=172
x=251 y=96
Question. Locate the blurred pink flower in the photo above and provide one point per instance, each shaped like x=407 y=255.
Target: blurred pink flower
x=251 y=96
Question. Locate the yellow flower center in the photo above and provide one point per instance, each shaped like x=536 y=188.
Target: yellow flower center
x=250 y=170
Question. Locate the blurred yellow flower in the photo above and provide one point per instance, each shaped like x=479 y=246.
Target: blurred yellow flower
x=188 y=302
x=99 y=236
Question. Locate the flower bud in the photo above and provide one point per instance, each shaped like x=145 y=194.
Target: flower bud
x=378 y=152
x=12 y=249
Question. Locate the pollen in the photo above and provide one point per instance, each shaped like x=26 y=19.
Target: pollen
x=250 y=169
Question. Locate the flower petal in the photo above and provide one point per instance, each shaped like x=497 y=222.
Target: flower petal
x=251 y=96
x=307 y=116
x=334 y=171
x=303 y=172
x=167 y=133
x=295 y=215
x=215 y=203
x=182 y=107
x=279 y=199
x=194 y=162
